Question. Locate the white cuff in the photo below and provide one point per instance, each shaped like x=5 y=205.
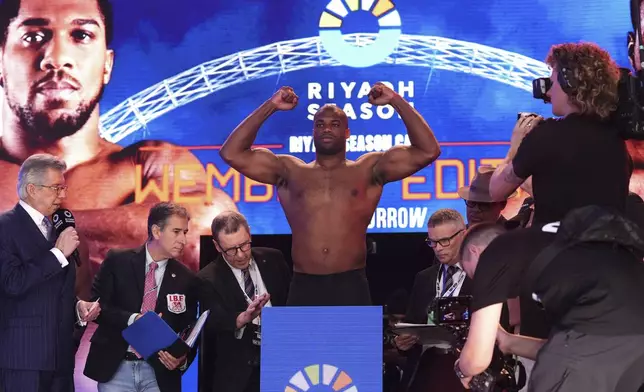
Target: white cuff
x=80 y=322
x=240 y=332
x=131 y=319
x=60 y=256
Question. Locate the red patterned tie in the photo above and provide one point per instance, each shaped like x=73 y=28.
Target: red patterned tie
x=150 y=290
x=149 y=293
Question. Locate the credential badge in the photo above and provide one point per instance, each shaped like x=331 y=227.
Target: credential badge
x=176 y=303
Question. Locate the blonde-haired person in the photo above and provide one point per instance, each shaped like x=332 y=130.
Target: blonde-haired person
x=579 y=158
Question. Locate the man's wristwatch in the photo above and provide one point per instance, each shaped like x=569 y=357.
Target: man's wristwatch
x=458 y=371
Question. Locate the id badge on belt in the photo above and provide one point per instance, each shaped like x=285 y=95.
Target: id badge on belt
x=257 y=337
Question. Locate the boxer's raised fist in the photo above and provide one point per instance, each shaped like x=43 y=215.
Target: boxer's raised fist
x=380 y=94
x=284 y=98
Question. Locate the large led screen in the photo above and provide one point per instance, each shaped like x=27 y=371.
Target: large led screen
x=185 y=73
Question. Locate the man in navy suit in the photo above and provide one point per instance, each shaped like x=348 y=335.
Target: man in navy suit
x=37 y=298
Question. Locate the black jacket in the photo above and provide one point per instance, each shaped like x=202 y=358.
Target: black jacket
x=233 y=360
x=119 y=284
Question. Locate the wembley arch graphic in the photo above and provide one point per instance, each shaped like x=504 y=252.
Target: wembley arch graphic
x=433 y=53
x=359 y=56
x=327 y=377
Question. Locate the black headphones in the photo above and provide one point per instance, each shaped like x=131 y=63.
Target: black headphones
x=565 y=77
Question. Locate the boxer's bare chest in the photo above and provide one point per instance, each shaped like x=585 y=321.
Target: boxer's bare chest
x=99 y=184
x=345 y=193
x=8 y=184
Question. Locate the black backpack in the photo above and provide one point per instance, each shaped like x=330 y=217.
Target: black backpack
x=583 y=225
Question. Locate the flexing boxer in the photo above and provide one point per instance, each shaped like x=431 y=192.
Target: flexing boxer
x=329 y=202
x=54 y=65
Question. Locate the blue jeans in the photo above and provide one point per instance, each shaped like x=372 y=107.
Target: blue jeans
x=131 y=376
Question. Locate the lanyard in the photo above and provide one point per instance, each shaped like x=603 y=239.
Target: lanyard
x=457 y=282
x=255 y=285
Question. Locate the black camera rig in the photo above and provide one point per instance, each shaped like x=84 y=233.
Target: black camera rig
x=453 y=314
x=628 y=118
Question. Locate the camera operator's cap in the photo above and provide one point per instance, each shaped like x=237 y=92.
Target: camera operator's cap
x=479 y=189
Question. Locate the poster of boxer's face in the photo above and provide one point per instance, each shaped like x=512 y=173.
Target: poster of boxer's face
x=183 y=75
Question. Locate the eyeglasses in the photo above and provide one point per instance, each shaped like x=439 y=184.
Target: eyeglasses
x=55 y=188
x=230 y=252
x=443 y=241
x=481 y=205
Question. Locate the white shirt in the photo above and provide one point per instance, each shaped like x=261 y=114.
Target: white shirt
x=260 y=287
x=158 y=276
x=37 y=217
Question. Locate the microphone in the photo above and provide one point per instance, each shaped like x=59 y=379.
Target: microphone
x=63 y=219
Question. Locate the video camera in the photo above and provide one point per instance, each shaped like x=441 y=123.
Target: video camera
x=628 y=118
x=453 y=314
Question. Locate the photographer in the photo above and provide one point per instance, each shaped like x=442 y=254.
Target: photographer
x=591 y=291
x=578 y=159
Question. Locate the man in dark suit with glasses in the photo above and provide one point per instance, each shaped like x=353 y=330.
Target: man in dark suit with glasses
x=235 y=287
x=427 y=367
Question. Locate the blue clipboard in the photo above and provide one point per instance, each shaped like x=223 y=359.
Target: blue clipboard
x=149 y=334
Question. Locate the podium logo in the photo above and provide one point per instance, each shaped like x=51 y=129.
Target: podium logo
x=367 y=53
x=320 y=378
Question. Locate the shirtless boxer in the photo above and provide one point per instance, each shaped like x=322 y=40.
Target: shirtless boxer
x=54 y=65
x=329 y=202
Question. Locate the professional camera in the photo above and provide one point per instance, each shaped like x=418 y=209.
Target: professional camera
x=387 y=332
x=453 y=314
x=629 y=116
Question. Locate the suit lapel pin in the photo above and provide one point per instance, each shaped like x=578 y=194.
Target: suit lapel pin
x=174 y=276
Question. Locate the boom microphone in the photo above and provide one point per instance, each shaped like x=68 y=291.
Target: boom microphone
x=63 y=219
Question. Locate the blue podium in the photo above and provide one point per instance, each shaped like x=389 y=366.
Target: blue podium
x=322 y=349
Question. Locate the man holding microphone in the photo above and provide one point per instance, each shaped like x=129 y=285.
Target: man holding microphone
x=37 y=279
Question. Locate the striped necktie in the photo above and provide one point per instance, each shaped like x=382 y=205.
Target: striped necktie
x=451 y=270
x=249 y=287
x=48 y=228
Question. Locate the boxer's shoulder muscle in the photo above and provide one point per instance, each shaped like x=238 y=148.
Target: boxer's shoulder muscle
x=636 y=150
x=155 y=156
x=152 y=155
x=8 y=180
